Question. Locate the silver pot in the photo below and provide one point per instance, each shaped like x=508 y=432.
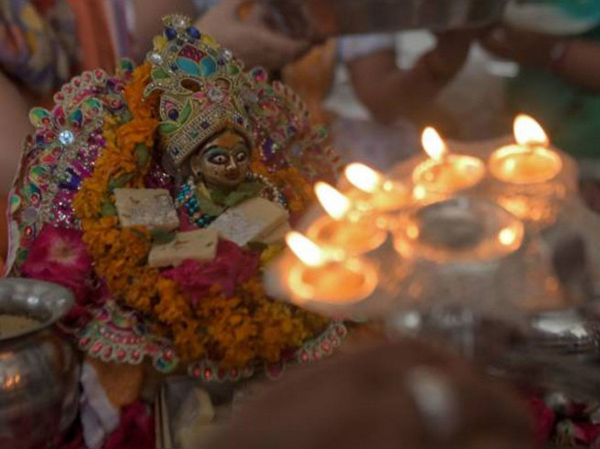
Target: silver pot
x=39 y=370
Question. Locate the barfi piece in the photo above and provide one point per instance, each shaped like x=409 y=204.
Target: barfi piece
x=195 y=245
x=152 y=208
x=250 y=221
x=277 y=236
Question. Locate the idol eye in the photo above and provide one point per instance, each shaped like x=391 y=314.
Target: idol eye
x=219 y=159
x=242 y=156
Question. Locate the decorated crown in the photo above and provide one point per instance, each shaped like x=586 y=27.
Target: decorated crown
x=202 y=87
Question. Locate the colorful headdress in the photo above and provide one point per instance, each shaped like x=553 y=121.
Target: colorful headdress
x=202 y=89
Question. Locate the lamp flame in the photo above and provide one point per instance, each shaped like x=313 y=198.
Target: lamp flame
x=508 y=236
x=305 y=249
x=529 y=132
x=433 y=144
x=362 y=177
x=333 y=201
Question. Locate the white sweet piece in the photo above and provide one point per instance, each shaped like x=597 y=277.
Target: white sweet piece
x=194 y=420
x=251 y=221
x=195 y=245
x=277 y=236
x=152 y=208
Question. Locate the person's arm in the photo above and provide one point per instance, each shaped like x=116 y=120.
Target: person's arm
x=14 y=127
x=577 y=60
x=581 y=64
x=250 y=37
x=149 y=14
x=391 y=93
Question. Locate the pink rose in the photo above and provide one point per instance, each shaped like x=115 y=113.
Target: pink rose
x=232 y=266
x=59 y=255
x=543 y=419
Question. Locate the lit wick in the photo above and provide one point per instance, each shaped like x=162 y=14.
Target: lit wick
x=344 y=228
x=384 y=195
x=443 y=172
x=530 y=161
x=320 y=276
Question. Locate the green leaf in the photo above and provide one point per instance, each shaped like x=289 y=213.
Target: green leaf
x=126 y=117
x=108 y=209
x=142 y=155
x=162 y=237
x=121 y=181
x=245 y=191
x=208 y=206
x=159 y=74
x=168 y=128
x=185 y=113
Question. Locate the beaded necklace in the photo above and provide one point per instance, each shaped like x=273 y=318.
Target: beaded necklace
x=188 y=199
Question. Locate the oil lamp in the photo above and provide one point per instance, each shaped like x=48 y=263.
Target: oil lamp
x=530 y=161
x=345 y=228
x=321 y=276
x=529 y=172
x=445 y=173
x=382 y=194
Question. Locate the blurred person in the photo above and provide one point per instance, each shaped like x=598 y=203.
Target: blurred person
x=34 y=59
x=37 y=53
x=391 y=93
x=43 y=43
x=235 y=24
x=557 y=46
x=405 y=395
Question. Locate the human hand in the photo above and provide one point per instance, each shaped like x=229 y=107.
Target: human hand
x=451 y=52
x=250 y=40
x=522 y=46
x=405 y=394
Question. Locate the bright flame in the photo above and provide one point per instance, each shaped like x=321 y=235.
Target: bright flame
x=433 y=144
x=412 y=231
x=362 y=177
x=305 y=249
x=419 y=193
x=333 y=201
x=528 y=131
x=388 y=186
x=508 y=236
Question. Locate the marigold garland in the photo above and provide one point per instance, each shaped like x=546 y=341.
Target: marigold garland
x=234 y=330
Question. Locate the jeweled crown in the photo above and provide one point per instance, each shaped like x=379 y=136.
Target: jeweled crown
x=202 y=87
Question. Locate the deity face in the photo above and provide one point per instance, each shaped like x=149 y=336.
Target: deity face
x=223 y=162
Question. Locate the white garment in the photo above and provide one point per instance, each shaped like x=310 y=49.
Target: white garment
x=99 y=418
x=353 y=47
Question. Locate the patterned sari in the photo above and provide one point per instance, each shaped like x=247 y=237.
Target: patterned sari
x=45 y=42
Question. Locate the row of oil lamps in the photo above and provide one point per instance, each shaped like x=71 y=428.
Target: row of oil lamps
x=329 y=266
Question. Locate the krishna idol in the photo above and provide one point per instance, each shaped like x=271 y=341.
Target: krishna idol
x=158 y=195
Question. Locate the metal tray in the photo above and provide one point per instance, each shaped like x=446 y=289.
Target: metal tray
x=343 y=17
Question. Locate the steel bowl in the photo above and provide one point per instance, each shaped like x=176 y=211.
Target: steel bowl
x=39 y=370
